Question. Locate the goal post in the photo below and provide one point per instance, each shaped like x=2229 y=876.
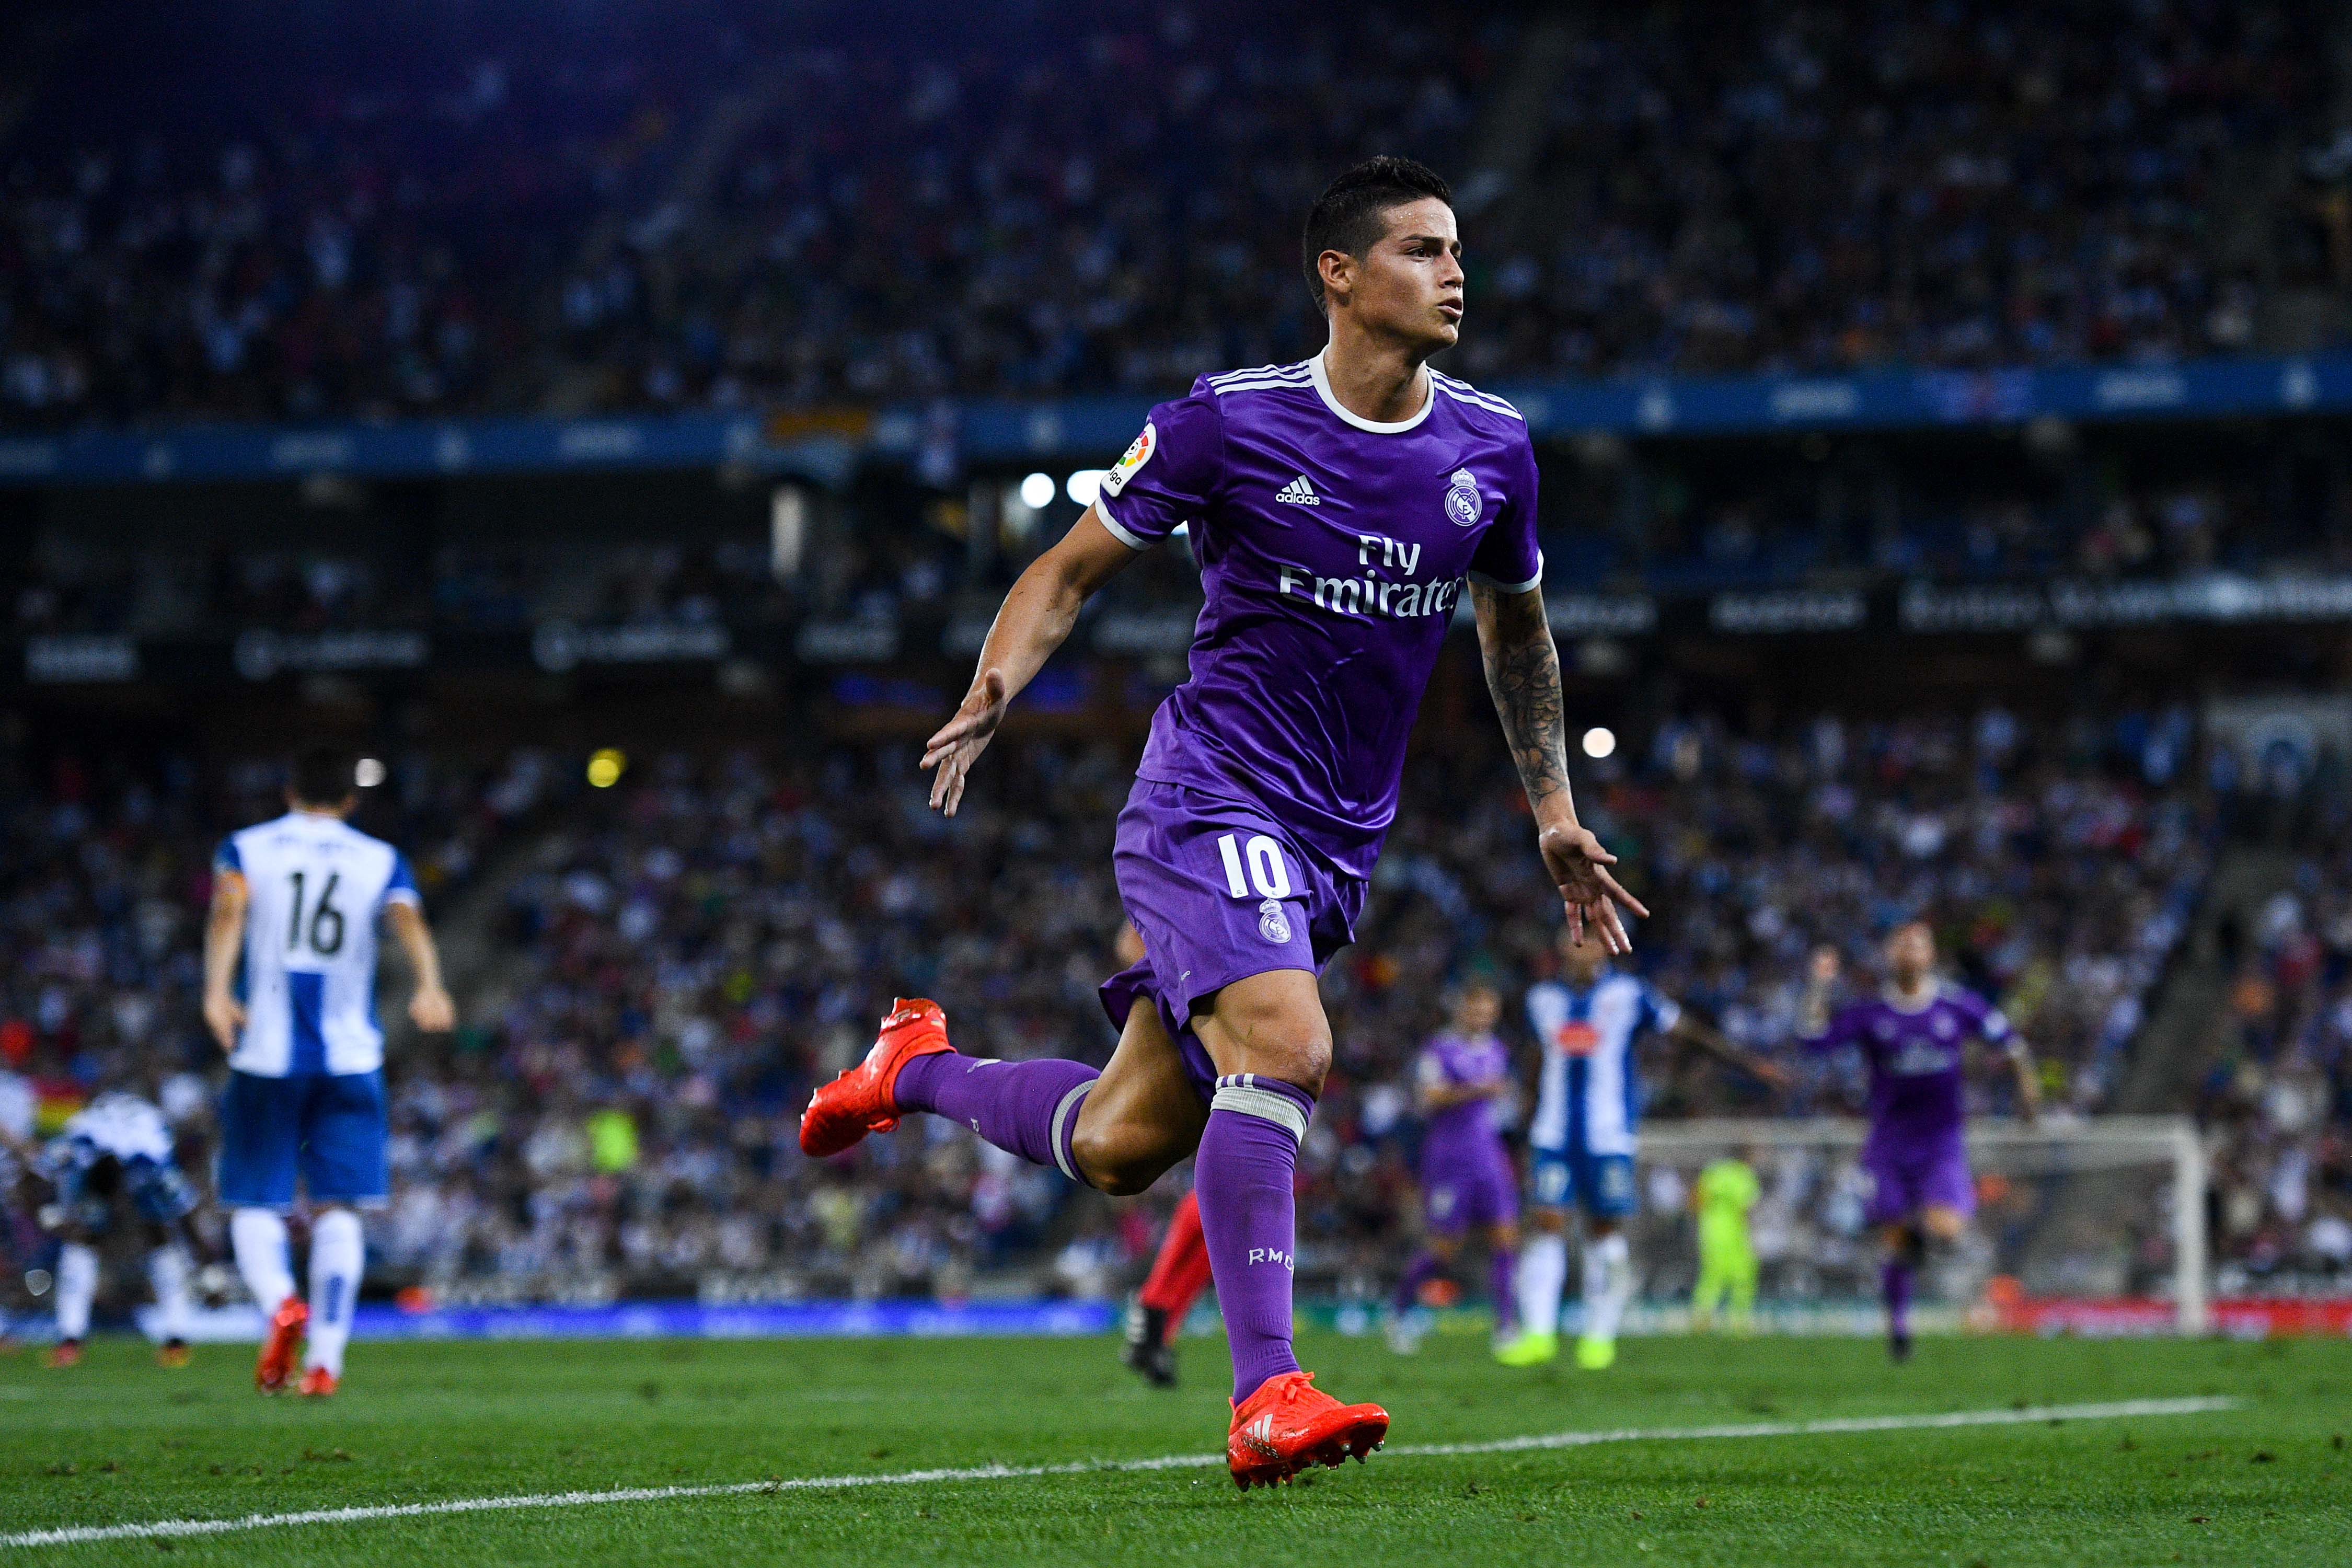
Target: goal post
x=2078 y=1174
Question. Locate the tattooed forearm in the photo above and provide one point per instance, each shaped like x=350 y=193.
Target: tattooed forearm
x=1523 y=674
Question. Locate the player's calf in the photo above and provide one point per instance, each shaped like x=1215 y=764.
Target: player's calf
x=1141 y=1116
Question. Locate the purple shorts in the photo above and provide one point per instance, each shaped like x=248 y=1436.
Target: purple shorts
x=1905 y=1180
x=1219 y=892
x=1456 y=1193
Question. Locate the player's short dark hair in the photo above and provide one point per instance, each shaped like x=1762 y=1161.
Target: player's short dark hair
x=323 y=775
x=1352 y=214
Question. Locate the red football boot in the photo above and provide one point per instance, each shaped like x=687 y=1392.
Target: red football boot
x=318 y=1382
x=1289 y=1424
x=64 y=1353
x=842 y=1112
x=275 y=1365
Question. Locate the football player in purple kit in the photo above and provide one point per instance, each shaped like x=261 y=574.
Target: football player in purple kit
x=1914 y=1039
x=1466 y=1177
x=1337 y=506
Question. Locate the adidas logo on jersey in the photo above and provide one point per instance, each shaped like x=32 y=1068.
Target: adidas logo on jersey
x=1298 y=493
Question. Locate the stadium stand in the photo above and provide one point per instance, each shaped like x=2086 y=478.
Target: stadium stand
x=671 y=209
x=676 y=960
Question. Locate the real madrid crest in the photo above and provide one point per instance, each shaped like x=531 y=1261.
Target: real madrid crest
x=1461 y=502
x=1272 y=923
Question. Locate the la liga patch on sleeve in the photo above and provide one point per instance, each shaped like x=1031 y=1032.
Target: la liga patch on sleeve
x=1138 y=452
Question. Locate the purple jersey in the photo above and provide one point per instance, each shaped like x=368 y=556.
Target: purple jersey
x=1917 y=1058
x=1332 y=552
x=1460 y=1134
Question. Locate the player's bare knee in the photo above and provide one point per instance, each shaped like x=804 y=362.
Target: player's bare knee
x=1113 y=1160
x=1272 y=1026
x=1293 y=1051
x=1306 y=1063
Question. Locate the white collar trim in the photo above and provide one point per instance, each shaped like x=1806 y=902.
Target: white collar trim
x=1316 y=373
x=1895 y=999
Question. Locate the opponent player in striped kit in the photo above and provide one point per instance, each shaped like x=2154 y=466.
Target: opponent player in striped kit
x=1582 y=1143
x=118 y=1154
x=294 y=904
x=1338 y=506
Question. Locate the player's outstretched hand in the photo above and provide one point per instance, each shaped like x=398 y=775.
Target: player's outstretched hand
x=225 y=1018
x=432 y=1011
x=1580 y=868
x=962 y=738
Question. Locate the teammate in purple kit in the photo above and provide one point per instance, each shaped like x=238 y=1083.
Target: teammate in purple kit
x=1337 y=506
x=1914 y=1039
x=1466 y=1177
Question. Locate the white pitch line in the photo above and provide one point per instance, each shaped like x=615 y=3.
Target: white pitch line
x=77 y=1535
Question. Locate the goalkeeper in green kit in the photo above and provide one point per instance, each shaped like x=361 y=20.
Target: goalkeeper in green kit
x=1727 y=1190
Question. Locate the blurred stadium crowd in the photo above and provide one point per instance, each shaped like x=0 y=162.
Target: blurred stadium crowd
x=677 y=204
x=662 y=968
x=670 y=205
x=2276 y=1080
x=1665 y=529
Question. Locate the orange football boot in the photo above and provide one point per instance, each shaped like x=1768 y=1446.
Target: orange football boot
x=174 y=1354
x=844 y=1112
x=64 y=1353
x=275 y=1365
x=1289 y=1424
x=318 y=1382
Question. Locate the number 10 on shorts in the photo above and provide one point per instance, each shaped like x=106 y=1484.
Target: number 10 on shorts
x=1268 y=873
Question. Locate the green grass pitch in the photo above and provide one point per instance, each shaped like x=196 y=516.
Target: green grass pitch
x=118 y=1440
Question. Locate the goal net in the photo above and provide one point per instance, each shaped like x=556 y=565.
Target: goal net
x=2085 y=1224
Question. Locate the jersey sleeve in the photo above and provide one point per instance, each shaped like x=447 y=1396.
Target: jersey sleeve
x=1507 y=557
x=1544 y=1014
x=1991 y=1023
x=227 y=858
x=402 y=887
x=1430 y=1073
x=1168 y=474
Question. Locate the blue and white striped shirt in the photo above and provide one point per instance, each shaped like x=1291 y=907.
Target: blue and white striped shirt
x=1590 y=1097
x=316 y=886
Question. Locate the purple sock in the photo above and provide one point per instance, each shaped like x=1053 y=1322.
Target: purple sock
x=1419 y=1272
x=1895 y=1285
x=1249 y=1217
x=1029 y=1109
x=1502 y=1276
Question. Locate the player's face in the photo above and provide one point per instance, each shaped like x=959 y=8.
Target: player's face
x=1409 y=285
x=1910 y=955
x=1582 y=960
x=1476 y=1012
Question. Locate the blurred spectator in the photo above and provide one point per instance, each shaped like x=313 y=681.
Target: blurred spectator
x=693 y=205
